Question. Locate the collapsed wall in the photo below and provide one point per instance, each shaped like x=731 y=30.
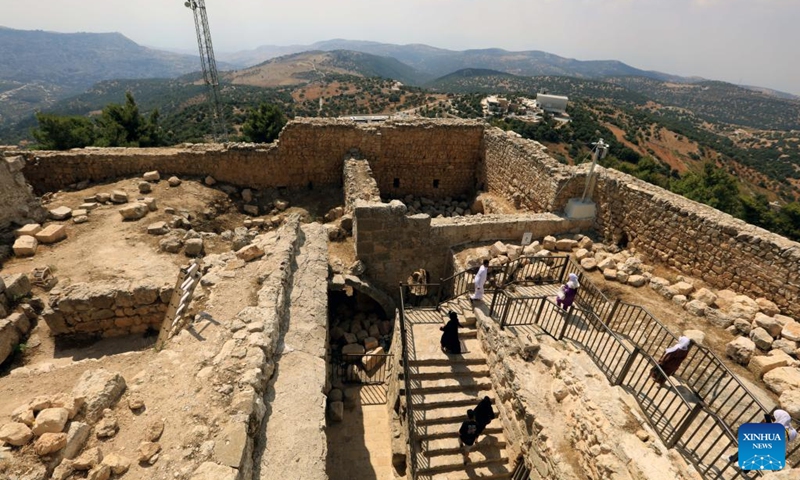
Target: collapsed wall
x=18 y=205
x=111 y=309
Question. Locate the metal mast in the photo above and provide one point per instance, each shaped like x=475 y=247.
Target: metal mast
x=209 y=65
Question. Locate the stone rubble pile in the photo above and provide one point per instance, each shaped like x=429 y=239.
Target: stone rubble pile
x=59 y=427
x=446 y=207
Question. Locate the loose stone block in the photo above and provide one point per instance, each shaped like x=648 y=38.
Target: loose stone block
x=25 y=246
x=250 y=252
x=52 y=234
x=117 y=196
x=134 y=211
x=31 y=229
x=60 y=213
x=765 y=363
x=153 y=176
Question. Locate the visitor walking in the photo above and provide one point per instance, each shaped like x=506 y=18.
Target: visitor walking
x=484 y=414
x=480 y=280
x=671 y=360
x=449 y=341
x=566 y=295
x=467 y=435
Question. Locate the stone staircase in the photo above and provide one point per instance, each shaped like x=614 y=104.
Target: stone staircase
x=443 y=387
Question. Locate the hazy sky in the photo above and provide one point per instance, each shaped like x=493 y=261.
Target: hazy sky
x=741 y=41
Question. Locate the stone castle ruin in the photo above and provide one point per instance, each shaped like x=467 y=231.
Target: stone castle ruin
x=303 y=245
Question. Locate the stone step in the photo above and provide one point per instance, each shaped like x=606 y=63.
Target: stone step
x=450 y=399
x=455 y=462
x=444 y=415
x=452 y=384
x=494 y=472
x=449 y=446
x=448 y=360
x=450 y=430
x=424 y=372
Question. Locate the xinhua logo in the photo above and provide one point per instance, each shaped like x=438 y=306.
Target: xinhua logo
x=762 y=446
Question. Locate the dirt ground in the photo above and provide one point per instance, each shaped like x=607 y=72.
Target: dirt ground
x=191 y=404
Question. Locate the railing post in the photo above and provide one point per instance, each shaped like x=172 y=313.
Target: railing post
x=505 y=311
x=568 y=317
x=612 y=312
x=627 y=367
x=685 y=425
x=564 y=269
x=541 y=309
x=492 y=305
x=441 y=291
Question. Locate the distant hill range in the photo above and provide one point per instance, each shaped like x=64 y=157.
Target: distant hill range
x=38 y=68
x=436 y=62
x=301 y=68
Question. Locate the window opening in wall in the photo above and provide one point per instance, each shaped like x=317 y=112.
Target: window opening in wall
x=311 y=185
x=436 y=183
x=396 y=183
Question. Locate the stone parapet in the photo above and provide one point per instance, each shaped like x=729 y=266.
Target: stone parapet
x=110 y=309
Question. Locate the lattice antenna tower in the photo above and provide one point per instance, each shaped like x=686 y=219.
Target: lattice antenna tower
x=209 y=65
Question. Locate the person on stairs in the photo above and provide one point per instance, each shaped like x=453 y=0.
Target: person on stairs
x=484 y=414
x=449 y=341
x=566 y=295
x=671 y=361
x=467 y=435
x=480 y=281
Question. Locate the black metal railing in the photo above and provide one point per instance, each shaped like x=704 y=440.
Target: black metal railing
x=525 y=270
x=680 y=418
x=702 y=371
x=363 y=369
x=412 y=440
x=521 y=471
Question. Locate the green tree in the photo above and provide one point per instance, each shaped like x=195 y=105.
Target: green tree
x=62 y=133
x=124 y=126
x=713 y=186
x=264 y=123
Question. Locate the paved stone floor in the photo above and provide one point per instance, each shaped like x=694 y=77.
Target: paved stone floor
x=360 y=447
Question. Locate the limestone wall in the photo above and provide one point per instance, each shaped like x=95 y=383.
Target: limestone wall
x=359 y=184
x=392 y=244
x=521 y=171
x=17 y=202
x=698 y=240
x=309 y=152
x=110 y=309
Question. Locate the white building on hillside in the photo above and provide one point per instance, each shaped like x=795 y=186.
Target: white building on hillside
x=552 y=103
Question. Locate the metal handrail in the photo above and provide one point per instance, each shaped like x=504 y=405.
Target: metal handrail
x=719 y=364
x=407 y=381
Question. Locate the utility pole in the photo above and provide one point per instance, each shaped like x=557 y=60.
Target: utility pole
x=599 y=152
x=209 y=65
x=584 y=207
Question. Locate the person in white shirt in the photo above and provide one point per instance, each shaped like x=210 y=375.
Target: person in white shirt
x=480 y=280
